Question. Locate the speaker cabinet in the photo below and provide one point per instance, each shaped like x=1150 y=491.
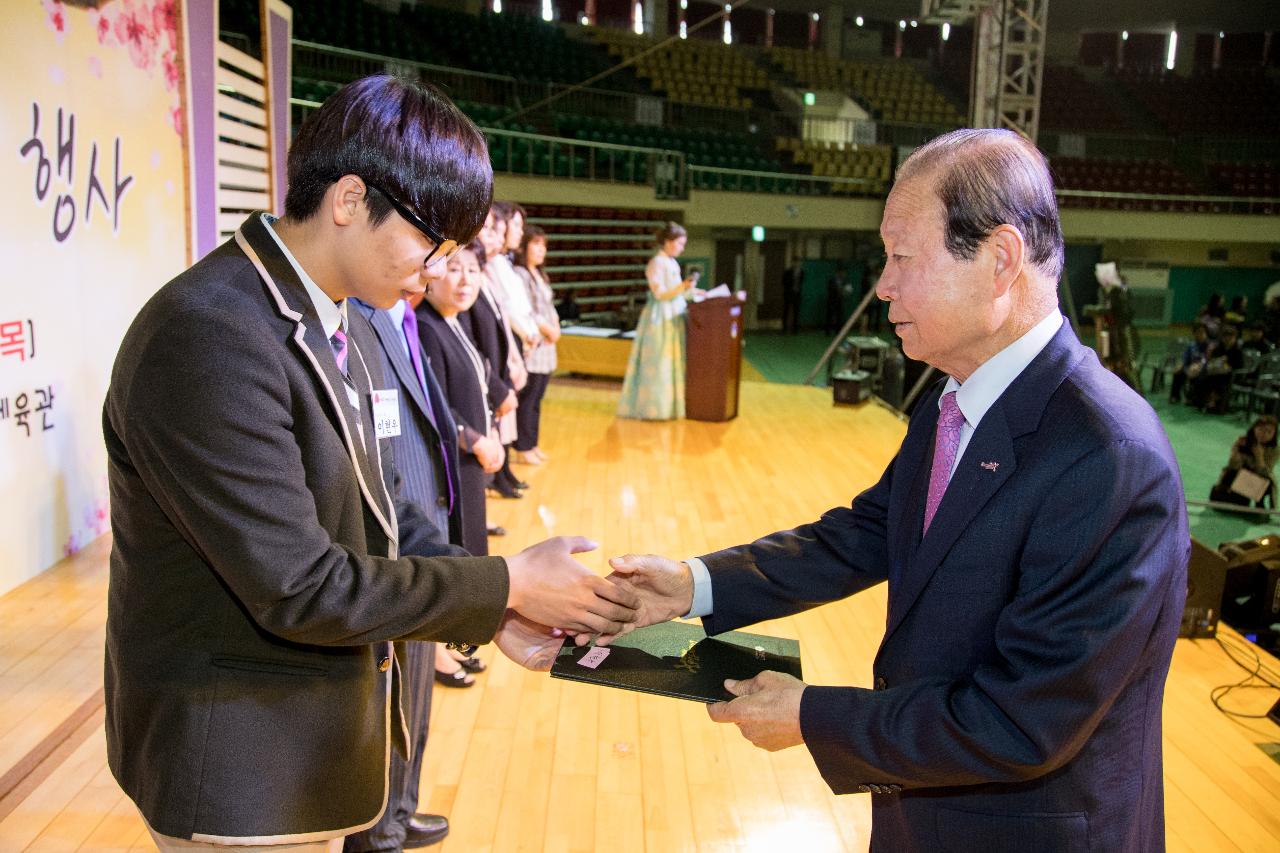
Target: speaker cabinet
x=1206 y=578
x=1251 y=598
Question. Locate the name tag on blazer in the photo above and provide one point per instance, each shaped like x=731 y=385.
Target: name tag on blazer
x=386 y=412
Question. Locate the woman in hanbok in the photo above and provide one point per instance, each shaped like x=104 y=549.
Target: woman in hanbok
x=654 y=386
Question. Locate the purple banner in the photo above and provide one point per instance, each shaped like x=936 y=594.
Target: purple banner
x=280 y=78
x=201 y=20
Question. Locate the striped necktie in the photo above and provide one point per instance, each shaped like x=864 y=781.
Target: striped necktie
x=339 y=344
x=340 y=351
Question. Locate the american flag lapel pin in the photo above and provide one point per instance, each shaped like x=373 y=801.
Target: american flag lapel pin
x=989 y=466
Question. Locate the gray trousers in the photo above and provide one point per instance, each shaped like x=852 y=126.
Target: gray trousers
x=417 y=667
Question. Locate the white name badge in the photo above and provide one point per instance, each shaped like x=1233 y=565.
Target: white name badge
x=386 y=413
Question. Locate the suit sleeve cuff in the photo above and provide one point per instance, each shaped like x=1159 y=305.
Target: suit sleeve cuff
x=825 y=715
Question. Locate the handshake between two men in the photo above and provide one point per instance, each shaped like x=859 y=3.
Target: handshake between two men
x=555 y=599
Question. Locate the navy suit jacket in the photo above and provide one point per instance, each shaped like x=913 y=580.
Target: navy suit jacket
x=1018 y=688
x=428 y=434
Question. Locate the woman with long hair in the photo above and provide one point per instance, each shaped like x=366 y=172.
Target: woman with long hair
x=1255 y=452
x=654 y=385
x=540 y=358
x=493 y=335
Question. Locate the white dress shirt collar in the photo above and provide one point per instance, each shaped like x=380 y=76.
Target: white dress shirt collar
x=985 y=385
x=331 y=315
x=397 y=312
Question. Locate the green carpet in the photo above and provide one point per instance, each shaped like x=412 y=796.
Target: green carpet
x=786 y=359
x=1200 y=442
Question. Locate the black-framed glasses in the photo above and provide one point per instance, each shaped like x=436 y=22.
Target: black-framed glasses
x=444 y=249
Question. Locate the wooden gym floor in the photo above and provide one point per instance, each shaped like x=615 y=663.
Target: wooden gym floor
x=522 y=762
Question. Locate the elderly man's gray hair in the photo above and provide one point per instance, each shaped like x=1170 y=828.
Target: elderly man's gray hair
x=987 y=178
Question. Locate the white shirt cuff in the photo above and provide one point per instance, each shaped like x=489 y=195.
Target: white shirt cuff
x=701 y=589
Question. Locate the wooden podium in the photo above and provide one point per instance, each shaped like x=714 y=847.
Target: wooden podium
x=713 y=359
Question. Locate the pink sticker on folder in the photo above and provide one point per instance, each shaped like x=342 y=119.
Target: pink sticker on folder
x=594 y=658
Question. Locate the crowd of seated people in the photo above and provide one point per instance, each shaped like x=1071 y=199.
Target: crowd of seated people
x=1226 y=351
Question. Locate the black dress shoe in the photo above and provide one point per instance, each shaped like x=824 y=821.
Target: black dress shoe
x=496 y=530
x=506 y=491
x=473 y=664
x=504 y=478
x=458 y=678
x=424 y=830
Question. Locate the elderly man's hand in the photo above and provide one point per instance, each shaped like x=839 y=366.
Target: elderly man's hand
x=549 y=587
x=767 y=710
x=664 y=587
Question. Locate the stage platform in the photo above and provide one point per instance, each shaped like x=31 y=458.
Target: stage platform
x=593 y=352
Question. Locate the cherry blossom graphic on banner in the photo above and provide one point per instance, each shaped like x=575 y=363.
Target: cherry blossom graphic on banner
x=92 y=123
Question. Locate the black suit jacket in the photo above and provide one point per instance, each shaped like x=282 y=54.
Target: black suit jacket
x=466 y=395
x=256 y=577
x=484 y=321
x=1018 y=688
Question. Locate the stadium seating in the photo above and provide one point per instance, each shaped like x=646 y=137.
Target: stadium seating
x=1257 y=180
x=599 y=253
x=1126 y=176
x=1130 y=176
x=1230 y=104
x=1069 y=102
x=523 y=47
x=891 y=91
x=702 y=73
x=701 y=147
x=1224 y=103
x=868 y=165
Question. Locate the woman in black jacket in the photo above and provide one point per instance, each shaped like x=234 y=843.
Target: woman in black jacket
x=464 y=375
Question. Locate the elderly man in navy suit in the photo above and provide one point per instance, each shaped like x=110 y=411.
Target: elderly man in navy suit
x=1032 y=531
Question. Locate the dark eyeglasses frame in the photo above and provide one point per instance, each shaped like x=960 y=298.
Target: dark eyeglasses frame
x=445 y=249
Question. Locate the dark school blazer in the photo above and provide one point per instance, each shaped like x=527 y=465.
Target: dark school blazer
x=257 y=582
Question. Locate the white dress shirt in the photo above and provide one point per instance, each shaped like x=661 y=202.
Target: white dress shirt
x=397 y=317
x=332 y=314
x=980 y=392
x=975 y=397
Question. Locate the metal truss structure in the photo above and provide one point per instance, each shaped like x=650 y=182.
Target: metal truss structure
x=1008 y=58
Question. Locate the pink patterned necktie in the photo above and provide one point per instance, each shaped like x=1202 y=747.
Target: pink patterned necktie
x=945 y=444
x=339 y=344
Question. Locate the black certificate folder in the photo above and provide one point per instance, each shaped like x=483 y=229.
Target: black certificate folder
x=678 y=659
